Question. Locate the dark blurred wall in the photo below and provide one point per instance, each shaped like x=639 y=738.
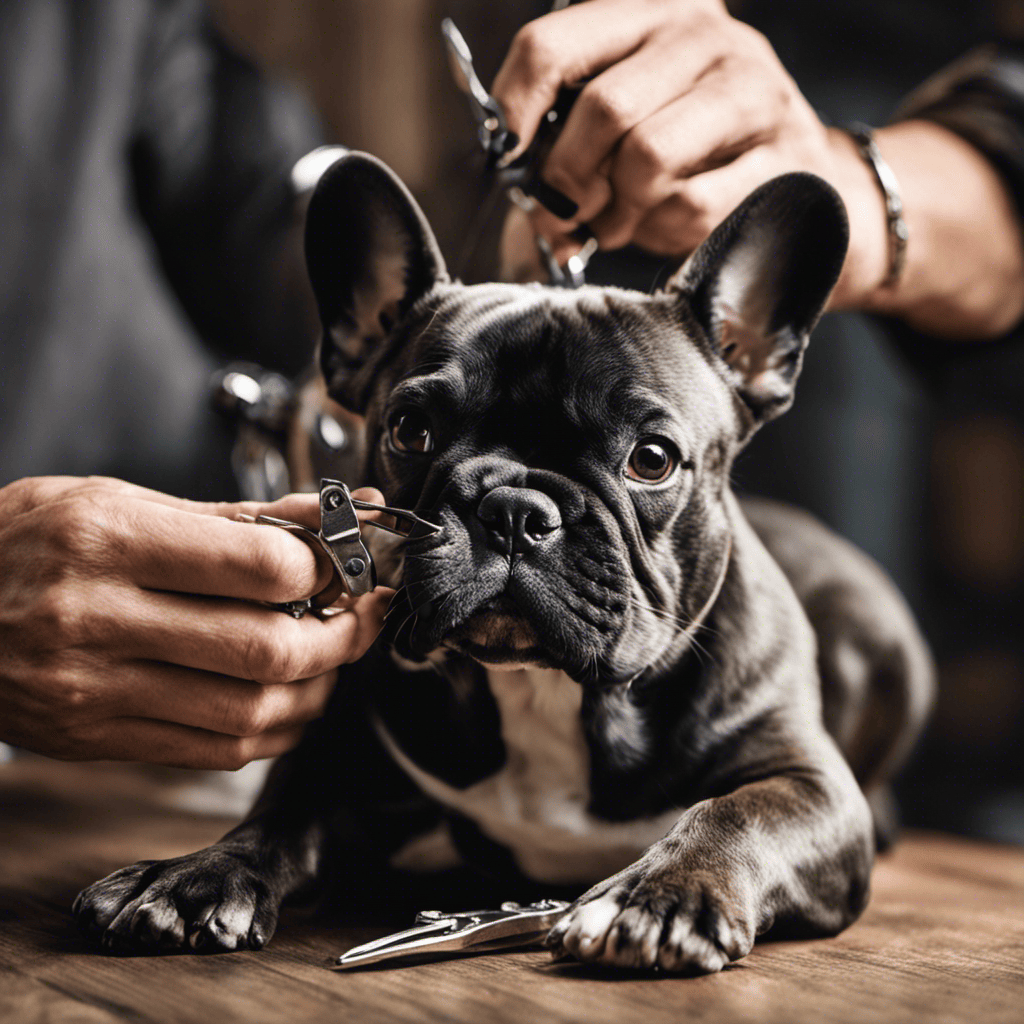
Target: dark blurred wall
x=377 y=72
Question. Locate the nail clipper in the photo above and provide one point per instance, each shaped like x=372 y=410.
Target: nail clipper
x=338 y=537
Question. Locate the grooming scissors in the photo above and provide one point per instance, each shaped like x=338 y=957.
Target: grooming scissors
x=338 y=538
x=520 y=178
x=437 y=933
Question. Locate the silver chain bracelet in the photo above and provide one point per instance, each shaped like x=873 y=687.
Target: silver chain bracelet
x=898 y=233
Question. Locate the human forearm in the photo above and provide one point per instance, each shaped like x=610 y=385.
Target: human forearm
x=686 y=110
x=964 y=272
x=131 y=626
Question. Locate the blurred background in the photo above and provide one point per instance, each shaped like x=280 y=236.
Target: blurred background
x=917 y=458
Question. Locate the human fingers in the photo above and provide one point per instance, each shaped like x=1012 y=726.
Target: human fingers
x=563 y=48
x=243 y=640
x=623 y=97
x=164 y=547
x=699 y=203
x=84 y=689
x=23 y=495
x=178 y=746
x=213 y=702
x=369 y=610
x=732 y=110
x=94 y=537
x=30 y=492
x=101 y=528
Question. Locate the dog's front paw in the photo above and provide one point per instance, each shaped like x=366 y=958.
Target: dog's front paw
x=209 y=901
x=685 y=922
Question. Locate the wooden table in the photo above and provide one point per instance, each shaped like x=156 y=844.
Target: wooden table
x=943 y=940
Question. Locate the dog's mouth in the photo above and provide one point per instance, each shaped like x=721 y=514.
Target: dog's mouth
x=498 y=633
x=538 y=608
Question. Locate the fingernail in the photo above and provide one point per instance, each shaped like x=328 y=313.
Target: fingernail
x=519 y=198
x=556 y=202
x=502 y=147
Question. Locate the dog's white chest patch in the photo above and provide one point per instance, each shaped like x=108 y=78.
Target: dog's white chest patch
x=536 y=805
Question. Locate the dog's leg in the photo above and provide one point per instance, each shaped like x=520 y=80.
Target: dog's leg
x=792 y=849
x=222 y=898
x=318 y=797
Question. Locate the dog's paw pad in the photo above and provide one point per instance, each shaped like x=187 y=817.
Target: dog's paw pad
x=686 y=950
x=646 y=921
x=224 y=926
x=582 y=932
x=158 y=922
x=209 y=902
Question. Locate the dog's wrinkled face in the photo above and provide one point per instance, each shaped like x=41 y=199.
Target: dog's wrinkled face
x=566 y=463
x=574 y=445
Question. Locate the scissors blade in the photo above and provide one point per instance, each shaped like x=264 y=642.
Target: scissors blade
x=489 y=115
x=464 y=72
x=405 y=520
x=404 y=943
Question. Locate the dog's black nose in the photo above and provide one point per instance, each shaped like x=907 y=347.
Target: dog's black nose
x=518 y=518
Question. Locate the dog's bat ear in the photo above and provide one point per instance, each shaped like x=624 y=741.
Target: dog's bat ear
x=759 y=283
x=370 y=255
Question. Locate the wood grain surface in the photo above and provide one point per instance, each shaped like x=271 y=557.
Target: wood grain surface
x=943 y=940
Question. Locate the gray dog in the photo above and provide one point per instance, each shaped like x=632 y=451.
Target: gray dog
x=603 y=671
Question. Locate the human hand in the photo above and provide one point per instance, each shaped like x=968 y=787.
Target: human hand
x=129 y=628
x=687 y=112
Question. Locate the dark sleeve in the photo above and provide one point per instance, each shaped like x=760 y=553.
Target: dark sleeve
x=213 y=147
x=979 y=97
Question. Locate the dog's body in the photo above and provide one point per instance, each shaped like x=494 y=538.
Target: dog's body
x=596 y=674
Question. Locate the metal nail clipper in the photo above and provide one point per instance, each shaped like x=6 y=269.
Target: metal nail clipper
x=438 y=933
x=338 y=538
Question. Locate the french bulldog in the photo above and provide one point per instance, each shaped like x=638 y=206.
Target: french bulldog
x=605 y=672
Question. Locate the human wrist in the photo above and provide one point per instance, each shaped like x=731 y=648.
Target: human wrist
x=861 y=283
x=964 y=260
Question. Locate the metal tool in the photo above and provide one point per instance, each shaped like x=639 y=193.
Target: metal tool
x=438 y=933
x=338 y=537
x=520 y=178
x=486 y=109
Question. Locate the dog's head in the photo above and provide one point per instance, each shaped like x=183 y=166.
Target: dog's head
x=574 y=445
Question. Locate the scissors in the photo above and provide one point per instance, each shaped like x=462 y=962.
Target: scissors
x=437 y=933
x=520 y=177
x=338 y=537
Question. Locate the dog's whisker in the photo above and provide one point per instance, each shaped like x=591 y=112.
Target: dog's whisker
x=401 y=594
x=660 y=614
x=691 y=627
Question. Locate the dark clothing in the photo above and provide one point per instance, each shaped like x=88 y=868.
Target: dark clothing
x=145 y=204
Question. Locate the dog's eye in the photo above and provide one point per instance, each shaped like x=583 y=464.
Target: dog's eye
x=410 y=432
x=651 y=461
